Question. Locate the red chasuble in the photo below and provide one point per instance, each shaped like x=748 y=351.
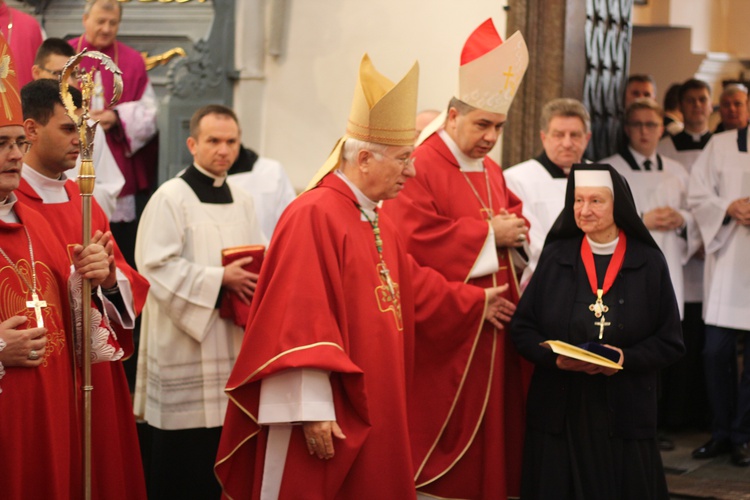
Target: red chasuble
x=39 y=440
x=321 y=303
x=468 y=404
x=137 y=167
x=116 y=459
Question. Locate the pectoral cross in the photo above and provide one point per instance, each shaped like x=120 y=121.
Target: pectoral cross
x=386 y=274
x=601 y=324
x=37 y=305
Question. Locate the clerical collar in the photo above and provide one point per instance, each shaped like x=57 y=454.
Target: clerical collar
x=465 y=163
x=7 y=214
x=639 y=158
x=363 y=201
x=49 y=190
x=555 y=171
x=697 y=137
x=206 y=187
x=603 y=248
x=219 y=180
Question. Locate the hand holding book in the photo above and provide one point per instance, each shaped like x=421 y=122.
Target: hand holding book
x=586 y=358
x=241 y=268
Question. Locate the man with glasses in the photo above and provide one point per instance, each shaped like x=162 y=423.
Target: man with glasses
x=541 y=182
x=40 y=431
x=46 y=187
x=319 y=394
x=50 y=60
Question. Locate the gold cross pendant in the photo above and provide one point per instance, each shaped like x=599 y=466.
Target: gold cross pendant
x=37 y=305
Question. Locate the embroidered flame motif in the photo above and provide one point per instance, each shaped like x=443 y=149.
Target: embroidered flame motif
x=13 y=296
x=386 y=302
x=5 y=72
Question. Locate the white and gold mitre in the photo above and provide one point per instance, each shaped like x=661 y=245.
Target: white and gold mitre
x=491 y=70
x=382 y=112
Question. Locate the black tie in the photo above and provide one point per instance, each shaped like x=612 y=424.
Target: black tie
x=647 y=164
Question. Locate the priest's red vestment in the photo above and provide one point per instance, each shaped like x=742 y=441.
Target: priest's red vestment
x=321 y=303
x=116 y=461
x=468 y=404
x=40 y=444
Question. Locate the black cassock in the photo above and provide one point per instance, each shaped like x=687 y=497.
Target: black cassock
x=594 y=436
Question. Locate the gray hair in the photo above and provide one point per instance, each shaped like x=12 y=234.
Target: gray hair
x=109 y=5
x=733 y=88
x=352 y=147
x=564 y=107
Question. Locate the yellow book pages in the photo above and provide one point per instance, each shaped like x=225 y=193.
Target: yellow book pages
x=571 y=351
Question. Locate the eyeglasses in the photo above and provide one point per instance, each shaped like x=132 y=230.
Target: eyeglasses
x=404 y=162
x=56 y=73
x=6 y=145
x=650 y=126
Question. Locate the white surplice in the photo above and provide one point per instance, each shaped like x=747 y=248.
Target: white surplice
x=720 y=175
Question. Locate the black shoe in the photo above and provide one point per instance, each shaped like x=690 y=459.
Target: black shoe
x=664 y=443
x=711 y=449
x=741 y=455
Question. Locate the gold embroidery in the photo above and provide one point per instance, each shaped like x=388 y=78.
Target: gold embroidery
x=14 y=294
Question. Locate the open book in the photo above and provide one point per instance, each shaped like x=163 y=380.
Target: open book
x=231 y=306
x=571 y=351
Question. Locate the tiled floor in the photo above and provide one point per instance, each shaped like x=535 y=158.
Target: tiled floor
x=714 y=478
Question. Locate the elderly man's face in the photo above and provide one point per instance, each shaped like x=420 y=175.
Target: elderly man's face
x=565 y=140
x=476 y=132
x=593 y=210
x=385 y=174
x=733 y=110
x=11 y=158
x=217 y=145
x=101 y=25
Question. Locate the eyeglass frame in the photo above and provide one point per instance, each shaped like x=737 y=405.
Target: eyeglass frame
x=649 y=126
x=6 y=146
x=404 y=162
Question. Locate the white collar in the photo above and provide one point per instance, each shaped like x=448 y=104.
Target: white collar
x=603 y=248
x=219 y=180
x=366 y=203
x=7 y=214
x=696 y=136
x=465 y=163
x=49 y=190
x=639 y=158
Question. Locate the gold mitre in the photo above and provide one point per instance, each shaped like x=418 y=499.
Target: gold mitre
x=382 y=112
x=491 y=71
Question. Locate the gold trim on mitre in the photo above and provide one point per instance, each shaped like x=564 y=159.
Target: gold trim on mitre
x=10 y=99
x=491 y=70
x=382 y=112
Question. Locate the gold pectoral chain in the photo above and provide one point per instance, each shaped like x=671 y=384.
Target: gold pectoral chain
x=35 y=303
x=382 y=268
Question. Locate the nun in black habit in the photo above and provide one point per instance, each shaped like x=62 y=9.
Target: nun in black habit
x=591 y=430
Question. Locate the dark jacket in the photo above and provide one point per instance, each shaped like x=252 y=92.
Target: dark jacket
x=648 y=332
